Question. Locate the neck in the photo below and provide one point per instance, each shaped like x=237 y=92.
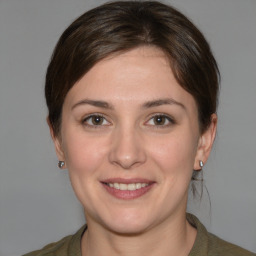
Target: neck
x=166 y=239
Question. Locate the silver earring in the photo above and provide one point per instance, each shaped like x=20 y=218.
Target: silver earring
x=61 y=164
x=201 y=163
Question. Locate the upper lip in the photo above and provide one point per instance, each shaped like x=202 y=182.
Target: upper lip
x=127 y=181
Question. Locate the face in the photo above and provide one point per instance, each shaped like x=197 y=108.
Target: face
x=130 y=140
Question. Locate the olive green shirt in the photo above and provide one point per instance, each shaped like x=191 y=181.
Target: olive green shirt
x=206 y=244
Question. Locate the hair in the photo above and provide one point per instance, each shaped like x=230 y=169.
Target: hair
x=120 y=26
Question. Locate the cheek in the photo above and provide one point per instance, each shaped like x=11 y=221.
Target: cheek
x=175 y=153
x=84 y=157
x=83 y=154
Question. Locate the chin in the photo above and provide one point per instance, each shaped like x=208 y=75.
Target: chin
x=127 y=229
x=128 y=223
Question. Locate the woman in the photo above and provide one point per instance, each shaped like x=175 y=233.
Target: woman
x=132 y=91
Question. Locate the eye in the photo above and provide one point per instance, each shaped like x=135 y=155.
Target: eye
x=160 y=120
x=95 y=120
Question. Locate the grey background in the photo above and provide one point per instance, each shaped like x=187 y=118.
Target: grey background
x=37 y=205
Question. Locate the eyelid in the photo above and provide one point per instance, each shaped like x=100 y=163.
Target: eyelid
x=171 y=120
x=87 y=117
x=168 y=117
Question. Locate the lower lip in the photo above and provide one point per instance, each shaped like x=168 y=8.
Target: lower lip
x=127 y=194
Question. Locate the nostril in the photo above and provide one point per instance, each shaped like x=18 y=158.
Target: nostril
x=127 y=161
x=126 y=149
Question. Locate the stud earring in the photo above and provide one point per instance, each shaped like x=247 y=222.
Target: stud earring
x=201 y=164
x=61 y=164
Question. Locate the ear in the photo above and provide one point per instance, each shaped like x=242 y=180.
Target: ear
x=57 y=142
x=205 y=143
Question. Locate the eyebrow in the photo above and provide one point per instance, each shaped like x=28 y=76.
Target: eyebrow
x=148 y=104
x=159 y=102
x=96 y=103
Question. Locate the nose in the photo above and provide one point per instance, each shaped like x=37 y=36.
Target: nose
x=127 y=149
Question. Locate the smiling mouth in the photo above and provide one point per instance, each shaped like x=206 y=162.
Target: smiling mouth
x=129 y=187
x=127 y=190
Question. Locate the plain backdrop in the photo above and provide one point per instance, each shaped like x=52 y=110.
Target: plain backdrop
x=37 y=204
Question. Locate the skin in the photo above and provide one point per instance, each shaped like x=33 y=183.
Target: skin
x=130 y=90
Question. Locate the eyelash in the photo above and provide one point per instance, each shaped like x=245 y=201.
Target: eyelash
x=103 y=119
x=87 y=118
x=167 y=118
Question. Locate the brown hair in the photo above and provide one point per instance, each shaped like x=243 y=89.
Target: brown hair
x=123 y=25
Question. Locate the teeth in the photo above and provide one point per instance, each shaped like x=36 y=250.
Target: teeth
x=123 y=186
x=138 y=185
x=131 y=186
x=116 y=185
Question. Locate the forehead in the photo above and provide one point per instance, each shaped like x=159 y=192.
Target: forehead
x=137 y=75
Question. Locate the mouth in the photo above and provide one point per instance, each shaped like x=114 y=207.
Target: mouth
x=130 y=187
x=127 y=189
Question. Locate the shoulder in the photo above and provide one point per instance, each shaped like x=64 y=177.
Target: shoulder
x=69 y=245
x=53 y=249
x=218 y=246
x=211 y=245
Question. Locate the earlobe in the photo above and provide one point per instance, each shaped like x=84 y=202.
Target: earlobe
x=57 y=142
x=205 y=143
